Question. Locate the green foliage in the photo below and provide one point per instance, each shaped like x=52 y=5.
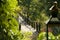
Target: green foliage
x=33 y=9
x=27 y=36
x=8 y=23
x=58 y=37
x=42 y=36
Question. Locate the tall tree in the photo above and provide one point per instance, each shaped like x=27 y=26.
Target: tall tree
x=35 y=9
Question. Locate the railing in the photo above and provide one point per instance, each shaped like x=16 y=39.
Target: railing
x=34 y=24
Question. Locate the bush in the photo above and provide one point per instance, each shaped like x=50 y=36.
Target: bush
x=8 y=23
x=42 y=36
x=58 y=37
x=27 y=36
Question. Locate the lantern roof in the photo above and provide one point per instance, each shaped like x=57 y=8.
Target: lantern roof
x=53 y=20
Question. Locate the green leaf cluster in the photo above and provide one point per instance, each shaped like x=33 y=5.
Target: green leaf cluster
x=35 y=10
x=27 y=36
x=42 y=36
x=8 y=23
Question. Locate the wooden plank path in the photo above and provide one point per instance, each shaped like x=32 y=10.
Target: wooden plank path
x=28 y=28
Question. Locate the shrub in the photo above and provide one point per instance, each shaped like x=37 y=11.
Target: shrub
x=8 y=23
x=42 y=36
x=27 y=36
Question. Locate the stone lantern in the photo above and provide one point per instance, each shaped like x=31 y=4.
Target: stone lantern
x=53 y=23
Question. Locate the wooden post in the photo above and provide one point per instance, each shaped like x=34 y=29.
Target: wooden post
x=19 y=27
x=47 y=32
